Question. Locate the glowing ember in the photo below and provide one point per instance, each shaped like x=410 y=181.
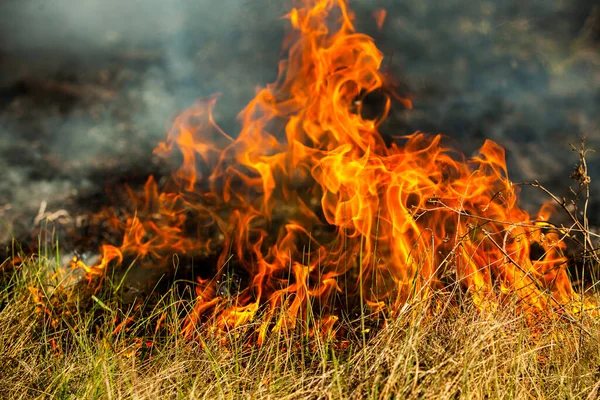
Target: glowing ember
x=366 y=223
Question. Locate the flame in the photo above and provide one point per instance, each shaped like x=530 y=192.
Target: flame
x=321 y=215
x=379 y=15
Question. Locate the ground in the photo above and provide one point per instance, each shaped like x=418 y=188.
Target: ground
x=84 y=100
x=435 y=349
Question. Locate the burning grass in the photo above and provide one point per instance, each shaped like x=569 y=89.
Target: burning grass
x=309 y=204
x=320 y=259
x=456 y=352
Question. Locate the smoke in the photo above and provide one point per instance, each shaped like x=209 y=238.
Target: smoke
x=93 y=26
x=162 y=54
x=91 y=85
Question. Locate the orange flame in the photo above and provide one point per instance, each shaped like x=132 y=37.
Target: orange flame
x=379 y=15
x=319 y=212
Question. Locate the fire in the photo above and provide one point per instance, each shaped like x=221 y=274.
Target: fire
x=379 y=16
x=317 y=214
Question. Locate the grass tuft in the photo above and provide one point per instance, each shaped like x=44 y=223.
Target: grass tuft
x=105 y=349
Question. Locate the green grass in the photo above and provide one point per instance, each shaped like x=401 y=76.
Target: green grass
x=74 y=350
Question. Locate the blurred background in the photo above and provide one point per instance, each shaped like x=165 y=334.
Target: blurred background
x=88 y=87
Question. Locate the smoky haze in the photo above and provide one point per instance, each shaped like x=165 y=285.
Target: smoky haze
x=88 y=87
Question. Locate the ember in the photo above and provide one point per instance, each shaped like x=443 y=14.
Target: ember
x=313 y=215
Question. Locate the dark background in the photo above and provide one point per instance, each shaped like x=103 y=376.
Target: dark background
x=88 y=87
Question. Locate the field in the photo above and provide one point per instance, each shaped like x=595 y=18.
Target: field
x=323 y=247
x=452 y=351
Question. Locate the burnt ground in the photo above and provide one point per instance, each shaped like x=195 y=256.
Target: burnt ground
x=87 y=91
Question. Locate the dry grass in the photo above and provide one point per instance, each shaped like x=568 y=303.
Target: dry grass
x=456 y=352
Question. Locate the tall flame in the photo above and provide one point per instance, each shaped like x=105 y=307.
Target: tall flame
x=365 y=220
